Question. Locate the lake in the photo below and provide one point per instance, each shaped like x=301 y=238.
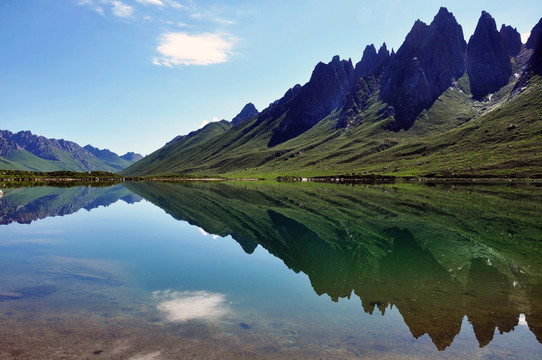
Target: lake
x=266 y=270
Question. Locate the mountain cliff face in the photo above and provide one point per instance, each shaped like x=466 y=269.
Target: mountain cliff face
x=536 y=34
x=324 y=92
x=27 y=151
x=368 y=73
x=511 y=40
x=488 y=63
x=429 y=61
x=248 y=112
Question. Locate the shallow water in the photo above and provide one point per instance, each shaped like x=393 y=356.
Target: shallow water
x=267 y=270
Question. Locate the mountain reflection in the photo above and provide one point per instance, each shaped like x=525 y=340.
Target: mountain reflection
x=27 y=204
x=437 y=253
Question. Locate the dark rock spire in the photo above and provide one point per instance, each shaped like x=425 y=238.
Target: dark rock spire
x=488 y=63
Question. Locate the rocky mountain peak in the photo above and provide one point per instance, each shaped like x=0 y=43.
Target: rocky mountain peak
x=367 y=62
x=488 y=63
x=325 y=91
x=536 y=34
x=511 y=39
x=248 y=112
x=429 y=61
x=383 y=53
x=132 y=157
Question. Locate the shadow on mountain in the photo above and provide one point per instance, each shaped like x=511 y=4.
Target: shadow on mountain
x=436 y=253
x=27 y=204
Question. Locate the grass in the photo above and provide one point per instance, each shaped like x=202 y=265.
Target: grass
x=456 y=137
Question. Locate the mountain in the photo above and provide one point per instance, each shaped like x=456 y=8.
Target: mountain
x=113 y=160
x=248 y=111
x=26 y=151
x=324 y=92
x=430 y=60
x=511 y=40
x=534 y=38
x=488 y=63
x=436 y=107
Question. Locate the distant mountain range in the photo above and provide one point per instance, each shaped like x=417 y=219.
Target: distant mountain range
x=439 y=106
x=26 y=151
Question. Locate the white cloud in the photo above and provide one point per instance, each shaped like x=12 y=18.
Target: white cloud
x=203 y=123
x=174 y=4
x=203 y=232
x=151 y=2
x=179 y=48
x=525 y=37
x=120 y=9
x=223 y=21
x=92 y=5
x=189 y=305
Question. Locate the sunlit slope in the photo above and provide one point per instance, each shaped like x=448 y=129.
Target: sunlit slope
x=456 y=136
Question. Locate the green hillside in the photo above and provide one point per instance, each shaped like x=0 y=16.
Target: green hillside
x=457 y=136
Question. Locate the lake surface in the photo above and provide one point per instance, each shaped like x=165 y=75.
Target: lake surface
x=267 y=270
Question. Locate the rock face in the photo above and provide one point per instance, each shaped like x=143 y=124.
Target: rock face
x=248 y=112
x=536 y=34
x=488 y=63
x=368 y=73
x=324 y=92
x=511 y=40
x=7 y=147
x=536 y=59
x=429 y=61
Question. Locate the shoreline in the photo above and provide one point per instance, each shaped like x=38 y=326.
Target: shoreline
x=106 y=178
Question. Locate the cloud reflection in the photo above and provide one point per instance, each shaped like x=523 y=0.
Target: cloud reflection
x=188 y=305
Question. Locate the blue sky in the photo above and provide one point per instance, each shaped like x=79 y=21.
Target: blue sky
x=129 y=75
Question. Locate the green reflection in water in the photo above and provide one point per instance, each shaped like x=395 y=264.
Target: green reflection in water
x=437 y=253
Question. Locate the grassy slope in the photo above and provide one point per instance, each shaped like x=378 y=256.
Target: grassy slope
x=23 y=160
x=457 y=136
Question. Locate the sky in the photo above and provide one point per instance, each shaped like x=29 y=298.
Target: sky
x=130 y=75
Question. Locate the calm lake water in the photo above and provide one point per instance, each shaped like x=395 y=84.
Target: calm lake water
x=267 y=270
